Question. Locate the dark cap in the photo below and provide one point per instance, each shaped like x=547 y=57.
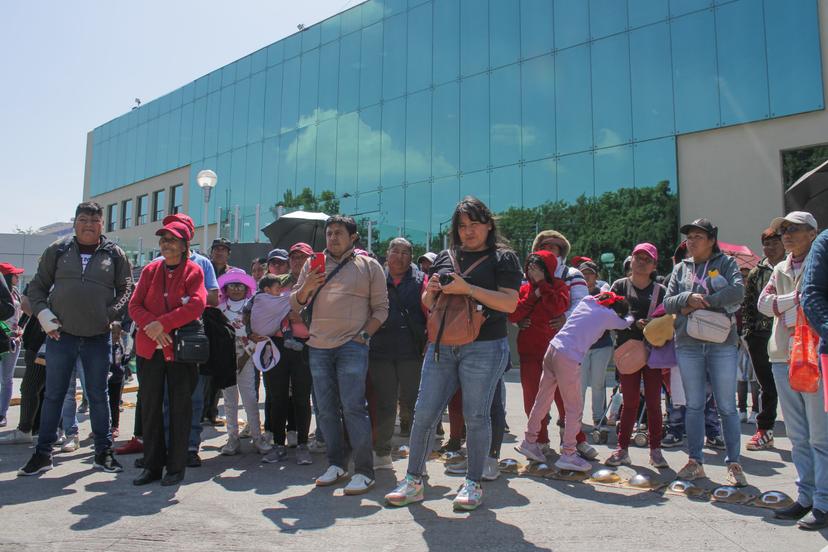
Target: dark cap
x=222 y=242
x=701 y=224
x=277 y=255
x=588 y=265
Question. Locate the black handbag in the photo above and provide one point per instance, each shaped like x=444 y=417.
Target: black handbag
x=190 y=343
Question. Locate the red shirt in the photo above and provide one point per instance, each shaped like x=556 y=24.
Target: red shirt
x=148 y=305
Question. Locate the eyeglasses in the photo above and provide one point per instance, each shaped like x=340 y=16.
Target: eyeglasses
x=792 y=229
x=236 y=286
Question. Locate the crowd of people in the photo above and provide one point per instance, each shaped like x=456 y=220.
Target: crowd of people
x=359 y=342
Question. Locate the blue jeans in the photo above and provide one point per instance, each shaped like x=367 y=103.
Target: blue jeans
x=476 y=369
x=61 y=358
x=675 y=419
x=807 y=425
x=715 y=362
x=339 y=376
x=69 y=414
x=7 y=379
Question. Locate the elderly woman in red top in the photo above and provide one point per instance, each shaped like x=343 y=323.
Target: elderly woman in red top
x=169 y=295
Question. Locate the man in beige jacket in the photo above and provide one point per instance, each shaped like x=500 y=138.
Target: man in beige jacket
x=348 y=302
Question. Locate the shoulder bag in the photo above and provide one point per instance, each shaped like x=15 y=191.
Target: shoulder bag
x=306 y=314
x=190 y=343
x=632 y=355
x=708 y=325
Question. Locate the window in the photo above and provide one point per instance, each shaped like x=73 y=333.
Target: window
x=158 y=206
x=176 y=199
x=126 y=214
x=112 y=217
x=143 y=210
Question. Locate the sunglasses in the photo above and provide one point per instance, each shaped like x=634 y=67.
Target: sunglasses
x=792 y=229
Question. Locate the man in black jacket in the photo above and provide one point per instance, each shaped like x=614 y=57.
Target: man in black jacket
x=82 y=284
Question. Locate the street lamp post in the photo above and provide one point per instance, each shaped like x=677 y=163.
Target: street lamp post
x=206 y=180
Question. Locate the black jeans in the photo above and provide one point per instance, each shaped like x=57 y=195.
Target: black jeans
x=392 y=378
x=291 y=374
x=180 y=380
x=31 y=390
x=758 y=347
x=498 y=421
x=115 y=386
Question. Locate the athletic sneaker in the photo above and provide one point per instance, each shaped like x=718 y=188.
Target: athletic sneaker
x=331 y=476
x=232 y=447
x=408 y=491
x=692 y=470
x=245 y=433
x=532 y=451
x=383 y=462
x=317 y=447
x=672 y=440
x=72 y=443
x=491 y=471
x=735 y=475
x=587 y=451
x=359 y=484
x=303 y=455
x=106 y=461
x=292 y=439
x=657 y=459
x=262 y=446
x=618 y=457
x=16 y=437
x=457 y=468
x=573 y=462
x=469 y=497
x=761 y=440
x=133 y=446
x=715 y=442
x=37 y=464
x=277 y=454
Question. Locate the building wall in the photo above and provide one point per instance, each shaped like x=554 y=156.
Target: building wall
x=733 y=175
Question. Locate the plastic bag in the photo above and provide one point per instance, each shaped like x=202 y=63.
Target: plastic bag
x=803 y=372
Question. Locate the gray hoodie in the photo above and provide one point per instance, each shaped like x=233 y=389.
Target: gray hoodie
x=689 y=277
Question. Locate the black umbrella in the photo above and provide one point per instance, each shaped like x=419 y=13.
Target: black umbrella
x=298 y=226
x=810 y=193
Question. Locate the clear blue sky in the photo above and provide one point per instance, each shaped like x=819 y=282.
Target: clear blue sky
x=68 y=67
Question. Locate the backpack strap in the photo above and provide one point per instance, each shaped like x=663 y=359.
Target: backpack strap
x=470 y=269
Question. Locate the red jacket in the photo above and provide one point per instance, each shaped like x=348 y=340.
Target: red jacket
x=147 y=303
x=540 y=302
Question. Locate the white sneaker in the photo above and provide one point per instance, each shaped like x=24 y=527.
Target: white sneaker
x=245 y=433
x=292 y=439
x=586 y=451
x=358 y=485
x=262 y=446
x=317 y=447
x=331 y=476
x=383 y=462
x=71 y=445
x=232 y=447
x=490 y=469
x=573 y=462
x=16 y=437
x=61 y=438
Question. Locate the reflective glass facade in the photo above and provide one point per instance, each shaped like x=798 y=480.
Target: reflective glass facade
x=400 y=107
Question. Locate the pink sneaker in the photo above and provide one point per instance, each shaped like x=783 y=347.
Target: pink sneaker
x=532 y=451
x=573 y=462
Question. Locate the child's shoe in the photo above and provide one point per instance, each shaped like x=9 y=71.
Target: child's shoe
x=532 y=451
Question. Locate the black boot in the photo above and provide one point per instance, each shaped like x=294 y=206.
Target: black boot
x=170 y=479
x=792 y=512
x=146 y=477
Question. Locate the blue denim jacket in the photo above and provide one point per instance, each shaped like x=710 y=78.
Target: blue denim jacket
x=814 y=295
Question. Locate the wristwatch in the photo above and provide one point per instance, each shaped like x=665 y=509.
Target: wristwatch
x=366 y=337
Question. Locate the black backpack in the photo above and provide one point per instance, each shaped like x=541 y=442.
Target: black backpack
x=222 y=337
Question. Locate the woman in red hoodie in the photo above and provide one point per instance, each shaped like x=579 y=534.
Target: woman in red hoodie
x=169 y=295
x=541 y=299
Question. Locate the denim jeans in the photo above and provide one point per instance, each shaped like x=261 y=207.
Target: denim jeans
x=476 y=369
x=594 y=376
x=715 y=362
x=69 y=414
x=807 y=425
x=675 y=419
x=61 y=358
x=339 y=376
x=7 y=379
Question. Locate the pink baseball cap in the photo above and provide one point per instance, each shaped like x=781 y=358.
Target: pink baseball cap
x=302 y=247
x=647 y=248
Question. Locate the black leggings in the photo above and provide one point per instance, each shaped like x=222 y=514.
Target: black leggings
x=292 y=373
x=498 y=421
x=115 y=386
x=31 y=390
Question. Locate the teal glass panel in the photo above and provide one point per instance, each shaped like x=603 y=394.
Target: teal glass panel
x=644 y=12
x=326 y=155
x=258 y=61
x=241 y=105
x=573 y=109
x=347 y=154
x=680 y=7
x=419 y=48
x=446 y=130
x=695 y=79
x=129 y=165
x=370 y=147
x=330 y=29
x=607 y=17
x=505 y=131
x=199 y=127
x=611 y=115
x=200 y=87
x=228 y=74
x=293 y=45
x=373 y=11
x=474 y=36
x=225 y=127
x=417 y=220
x=504 y=184
x=445 y=193
x=474 y=123
x=613 y=169
x=446 y=48
x=275 y=53
x=185 y=145
x=273 y=102
x=655 y=161
x=270 y=170
x=504 y=32
x=287 y=162
x=418 y=137
x=475 y=184
x=392 y=206
x=792 y=34
x=538 y=91
x=311 y=37
x=652 y=86
x=370 y=77
x=539 y=182
x=575 y=177
x=392 y=164
x=328 y=79
x=394 y=55
x=571 y=22
x=306 y=159
x=349 y=73
x=173 y=144
x=242 y=68
x=256 y=111
x=351 y=19
x=290 y=94
x=238 y=172
x=253 y=181
x=309 y=88
x=140 y=156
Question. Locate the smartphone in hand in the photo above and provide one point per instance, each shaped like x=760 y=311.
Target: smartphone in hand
x=318 y=262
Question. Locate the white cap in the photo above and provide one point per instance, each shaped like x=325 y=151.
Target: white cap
x=794 y=217
x=428 y=256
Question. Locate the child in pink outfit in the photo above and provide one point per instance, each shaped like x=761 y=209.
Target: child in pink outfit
x=561 y=368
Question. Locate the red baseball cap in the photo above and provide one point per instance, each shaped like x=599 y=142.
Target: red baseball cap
x=302 y=247
x=8 y=268
x=177 y=229
x=647 y=248
x=180 y=217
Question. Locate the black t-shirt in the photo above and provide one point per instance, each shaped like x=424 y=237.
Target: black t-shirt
x=500 y=270
x=639 y=300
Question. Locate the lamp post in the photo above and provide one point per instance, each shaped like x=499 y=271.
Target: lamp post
x=206 y=180
x=608 y=260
